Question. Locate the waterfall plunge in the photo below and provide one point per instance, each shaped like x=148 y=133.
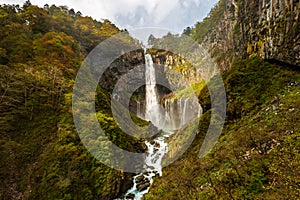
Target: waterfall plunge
x=176 y=113
x=153 y=110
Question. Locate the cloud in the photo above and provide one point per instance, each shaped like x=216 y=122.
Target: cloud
x=172 y=15
x=130 y=13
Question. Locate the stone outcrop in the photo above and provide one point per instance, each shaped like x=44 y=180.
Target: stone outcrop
x=142 y=183
x=271 y=29
x=266 y=28
x=120 y=67
x=178 y=71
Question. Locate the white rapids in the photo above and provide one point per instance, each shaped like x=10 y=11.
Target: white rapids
x=170 y=117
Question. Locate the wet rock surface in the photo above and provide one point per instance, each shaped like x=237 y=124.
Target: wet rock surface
x=144 y=186
x=130 y=196
x=142 y=182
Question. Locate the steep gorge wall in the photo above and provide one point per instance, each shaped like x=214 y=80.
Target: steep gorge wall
x=177 y=69
x=271 y=29
x=266 y=28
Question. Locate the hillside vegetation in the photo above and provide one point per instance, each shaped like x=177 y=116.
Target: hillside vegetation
x=257 y=155
x=42 y=157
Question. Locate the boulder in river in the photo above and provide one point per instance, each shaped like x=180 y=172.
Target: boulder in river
x=139 y=179
x=130 y=196
x=147 y=173
x=156 y=173
x=144 y=186
x=155 y=144
x=142 y=183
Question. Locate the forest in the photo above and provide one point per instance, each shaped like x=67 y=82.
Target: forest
x=256 y=157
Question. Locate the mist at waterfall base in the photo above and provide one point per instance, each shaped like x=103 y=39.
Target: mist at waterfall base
x=168 y=116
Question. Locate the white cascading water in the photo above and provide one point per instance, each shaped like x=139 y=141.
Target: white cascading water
x=176 y=113
x=179 y=112
x=142 y=182
x=156 y=148
x=153 y=109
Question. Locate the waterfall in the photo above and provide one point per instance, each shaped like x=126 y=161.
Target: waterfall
x=153 y=110
x=179 y=112
x=183 y=115
x=176 y=113
x=141 y=182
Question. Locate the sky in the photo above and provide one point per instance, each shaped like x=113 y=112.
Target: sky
x=169 y=15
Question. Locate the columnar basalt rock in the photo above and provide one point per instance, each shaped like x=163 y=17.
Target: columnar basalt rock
x=269 y=29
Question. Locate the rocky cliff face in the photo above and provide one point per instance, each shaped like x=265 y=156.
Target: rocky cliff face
x=270 y=29
x=266 y=28
x=120 y=67
x=177 y=70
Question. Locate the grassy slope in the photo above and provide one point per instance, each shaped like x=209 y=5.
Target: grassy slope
x=257 y=155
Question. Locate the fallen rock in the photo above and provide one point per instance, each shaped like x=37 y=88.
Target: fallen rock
x=156 y=173
x=130 y=196
x=157 y=145
x=144 y=186
x=139 y=179
x=152 y=142
x=147 y=173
